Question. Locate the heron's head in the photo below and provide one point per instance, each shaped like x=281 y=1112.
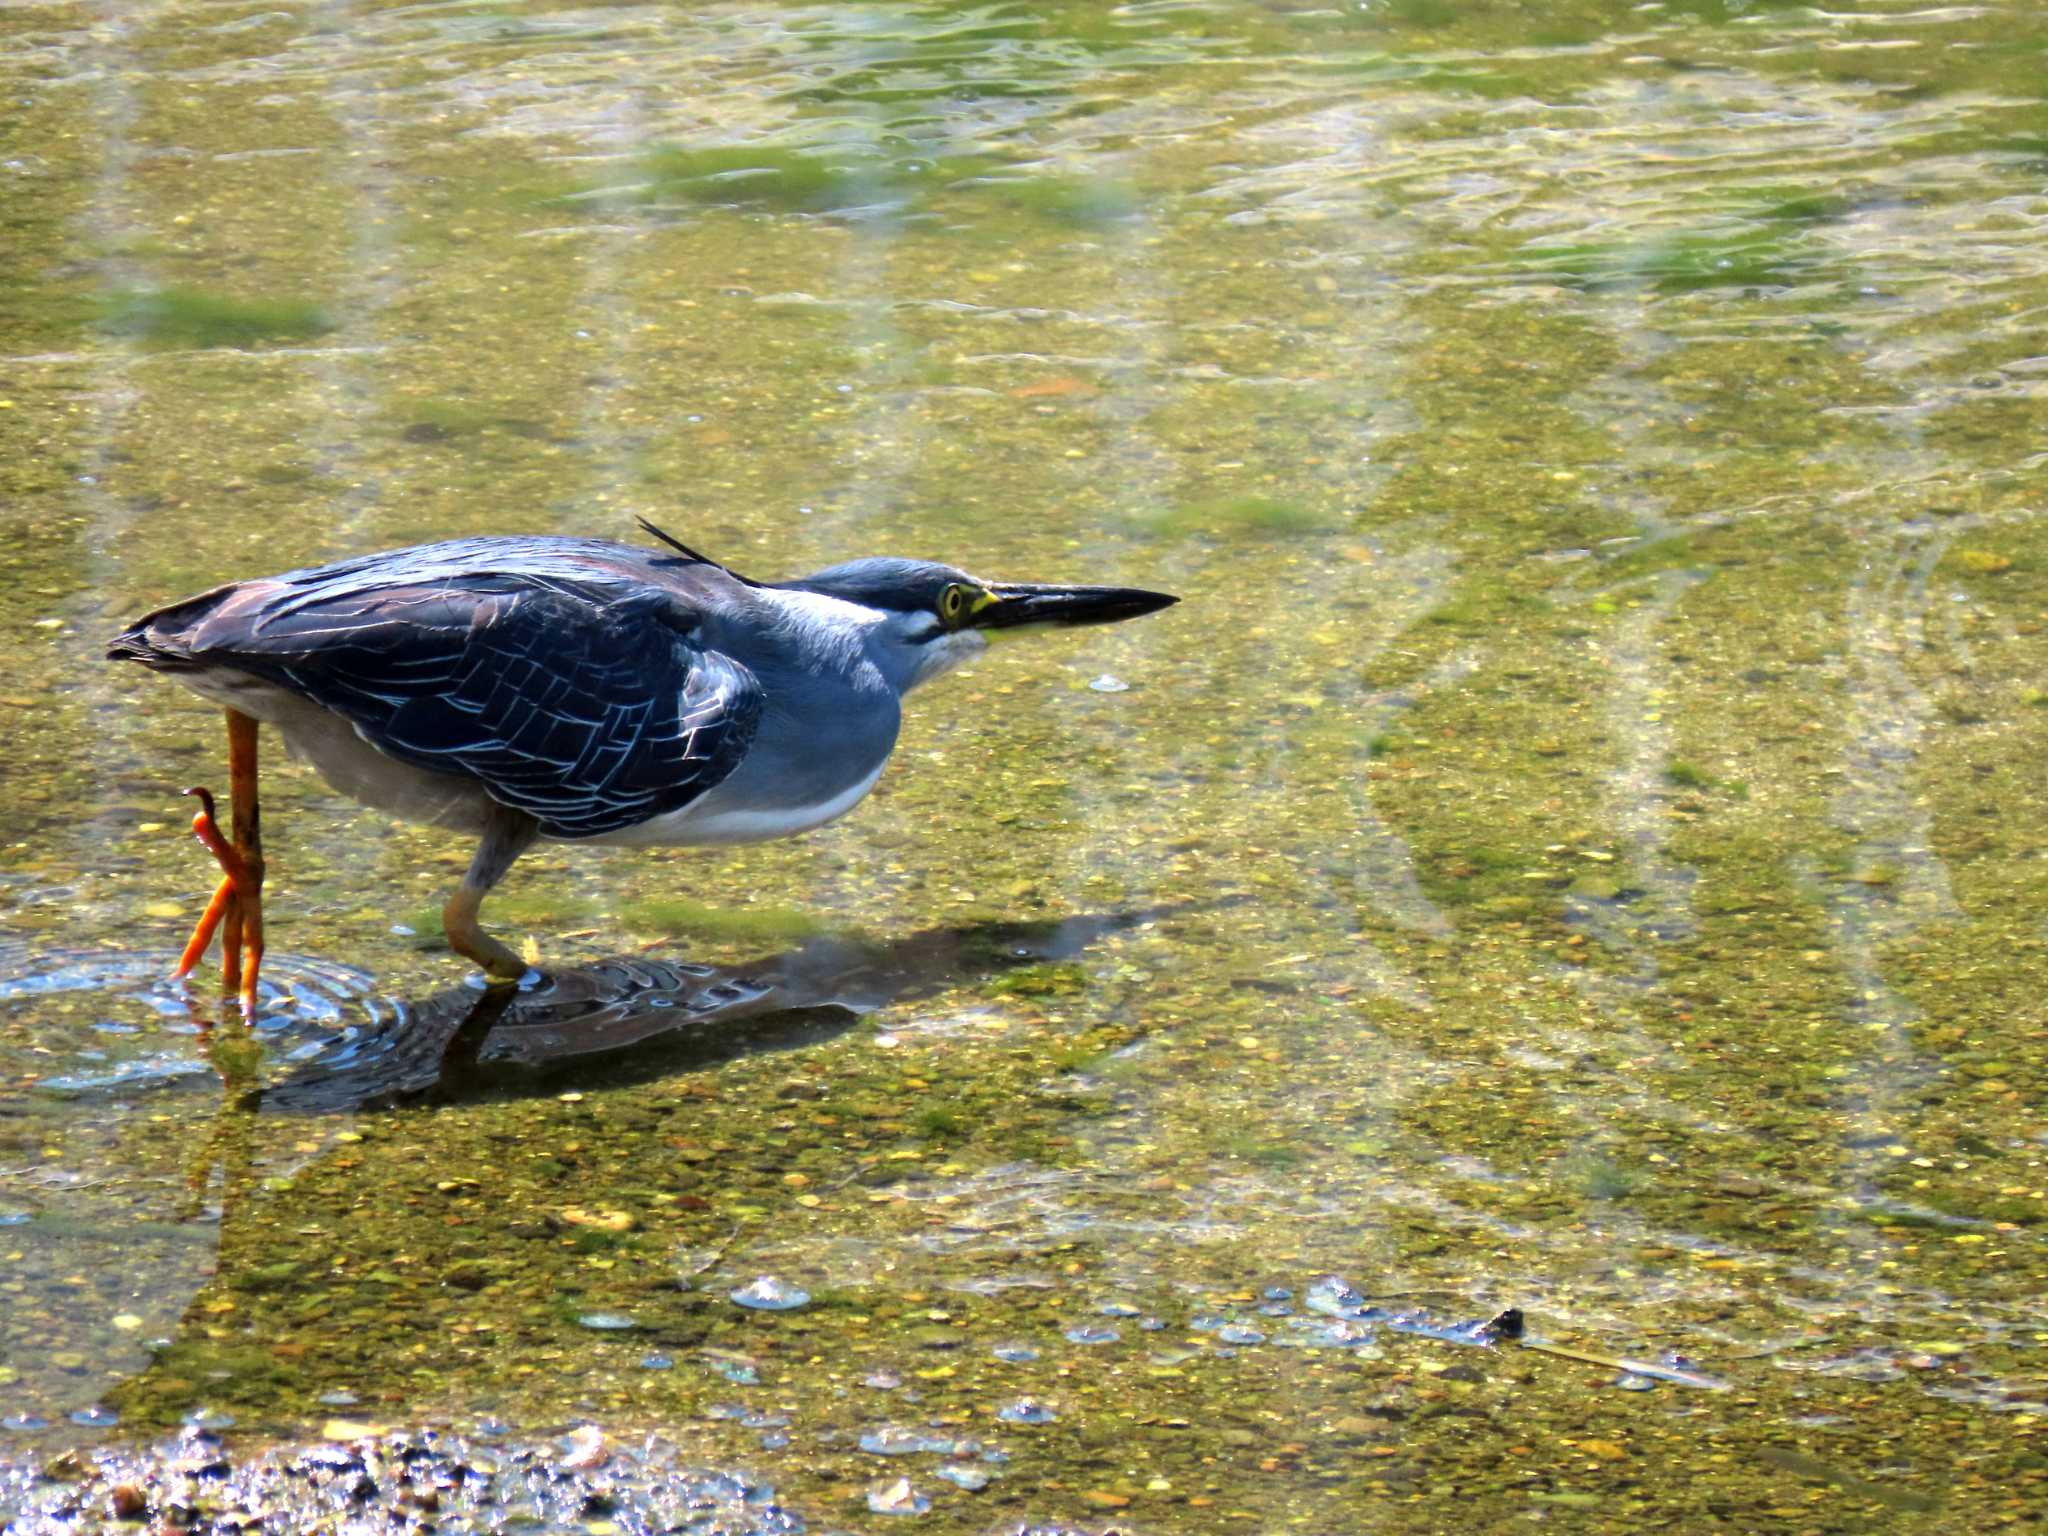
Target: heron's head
x=934 y=617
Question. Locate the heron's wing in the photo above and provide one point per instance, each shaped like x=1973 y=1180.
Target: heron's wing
x=587 y=705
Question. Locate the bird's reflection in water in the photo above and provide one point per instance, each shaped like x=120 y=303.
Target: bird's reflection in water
x=647 y=1017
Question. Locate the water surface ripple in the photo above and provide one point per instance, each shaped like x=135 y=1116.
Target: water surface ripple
x=1574 y=853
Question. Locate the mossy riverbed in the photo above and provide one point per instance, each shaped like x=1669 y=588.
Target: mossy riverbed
x=1576 y=848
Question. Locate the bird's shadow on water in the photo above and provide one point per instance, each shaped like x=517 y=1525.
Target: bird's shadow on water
x=621 y=1020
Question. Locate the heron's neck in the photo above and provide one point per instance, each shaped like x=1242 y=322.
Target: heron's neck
x=820 y=634
x=868 y=646
x=935 y=657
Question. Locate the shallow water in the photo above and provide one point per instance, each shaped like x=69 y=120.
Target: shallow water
x=1577 y=847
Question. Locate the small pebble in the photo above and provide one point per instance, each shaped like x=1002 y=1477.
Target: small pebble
x=897 y=1498
x=765 y=1293
x=893 y=1440
x=1333 y=1296
x=584 y=1448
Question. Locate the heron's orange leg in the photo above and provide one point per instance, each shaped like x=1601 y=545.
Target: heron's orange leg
x=236 y=909
x=209 y=920
x=233 y=875
x=507 y=833
x=248 y=895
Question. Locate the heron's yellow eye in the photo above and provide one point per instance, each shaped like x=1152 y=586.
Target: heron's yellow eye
x=953 y=604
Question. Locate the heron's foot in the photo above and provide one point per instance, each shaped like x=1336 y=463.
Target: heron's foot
x=237 y=903
x=204 y=930
x=468 y=939
x=490 y=957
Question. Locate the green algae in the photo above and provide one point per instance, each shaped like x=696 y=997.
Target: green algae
x=1680 y=263
x=1243 y=517
x=1059 y=980
x=191 y=317
x=1083 y=201
x=781 y=178
x=677 y=915
x=828 y=178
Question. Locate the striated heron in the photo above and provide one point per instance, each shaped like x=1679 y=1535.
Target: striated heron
x=520 y=688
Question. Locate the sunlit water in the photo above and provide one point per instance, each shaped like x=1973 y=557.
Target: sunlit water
x=1577 y=847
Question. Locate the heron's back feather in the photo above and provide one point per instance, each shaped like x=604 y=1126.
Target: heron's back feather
x=568 y=678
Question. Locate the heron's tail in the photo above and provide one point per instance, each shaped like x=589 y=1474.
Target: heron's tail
x=162 y=640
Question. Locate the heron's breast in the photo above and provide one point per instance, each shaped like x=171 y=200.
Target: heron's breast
x=723 y=816
x=818 y=749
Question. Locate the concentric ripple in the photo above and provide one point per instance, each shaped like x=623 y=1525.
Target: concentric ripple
x=117 y=1020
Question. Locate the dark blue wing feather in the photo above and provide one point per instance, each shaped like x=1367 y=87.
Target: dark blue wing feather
x=584 y=704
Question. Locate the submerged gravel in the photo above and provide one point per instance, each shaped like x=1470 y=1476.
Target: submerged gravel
x=424 y=1480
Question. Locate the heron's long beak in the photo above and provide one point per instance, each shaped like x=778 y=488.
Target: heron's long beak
x=1012 y=604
